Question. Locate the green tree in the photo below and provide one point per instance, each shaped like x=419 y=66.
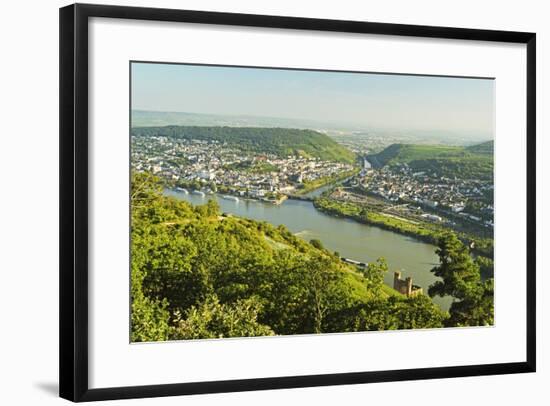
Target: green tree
x=211 y=319
x=486 y=266
x=374 y=274
x=149 y=317
x=210 y=209
x=317 y=244
x=387 y=313
x=327 y=288
x=169 y=270
x=476 y=308
x=145 y=189
x=461 y=279
x=286 y=295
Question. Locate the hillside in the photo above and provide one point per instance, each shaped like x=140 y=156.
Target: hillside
x=450 y=161
x=483 y=148
x=199 y=274
x=278 y=141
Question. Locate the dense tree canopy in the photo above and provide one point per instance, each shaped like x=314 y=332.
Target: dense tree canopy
x=277 y=141
x=461 y=278
x=199 y=274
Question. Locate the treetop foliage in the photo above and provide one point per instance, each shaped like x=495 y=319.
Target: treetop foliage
x=461 y=278
x=198 y=274
x=277 y=141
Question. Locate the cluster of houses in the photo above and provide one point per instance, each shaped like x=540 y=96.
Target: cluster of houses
x=215 y=164
x=468 y=199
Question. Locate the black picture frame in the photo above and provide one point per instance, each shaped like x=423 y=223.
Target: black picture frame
x=73 y=254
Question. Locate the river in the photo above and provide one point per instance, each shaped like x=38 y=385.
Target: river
x=351 y=239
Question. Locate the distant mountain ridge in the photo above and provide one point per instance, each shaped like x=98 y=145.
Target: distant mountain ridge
x=278 y=141
x=146 y=118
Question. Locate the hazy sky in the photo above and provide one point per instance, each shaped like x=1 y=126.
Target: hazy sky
x=374 y=100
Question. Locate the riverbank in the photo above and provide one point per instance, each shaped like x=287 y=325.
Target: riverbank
x=275 y=201
x=426 y=232
x=309 y=187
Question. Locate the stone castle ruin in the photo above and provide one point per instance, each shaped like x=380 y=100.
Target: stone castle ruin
x=405 y=286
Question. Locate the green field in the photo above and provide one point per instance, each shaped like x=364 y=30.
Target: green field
x=278 y=141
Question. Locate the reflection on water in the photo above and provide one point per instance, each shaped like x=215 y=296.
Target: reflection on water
x=351 y=239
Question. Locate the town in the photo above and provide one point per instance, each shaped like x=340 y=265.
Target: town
x=442 y=198
x=211 y=166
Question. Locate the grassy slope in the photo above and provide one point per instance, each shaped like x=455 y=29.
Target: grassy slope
x=280 y=141
x=483 y=148
x=464 y=162
x=405 y=153
x=266 y=240
x=278 y=238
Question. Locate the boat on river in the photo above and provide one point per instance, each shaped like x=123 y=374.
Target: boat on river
x=232 y=198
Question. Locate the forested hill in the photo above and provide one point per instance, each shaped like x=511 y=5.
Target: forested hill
x=279 y=141
x=199 y=274
x=475 y=161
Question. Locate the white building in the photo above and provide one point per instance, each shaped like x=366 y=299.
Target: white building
x=457 y=208
x=207 y=175
x=432 y=217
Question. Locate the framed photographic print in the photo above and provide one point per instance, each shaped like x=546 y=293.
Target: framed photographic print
x=256 y=202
